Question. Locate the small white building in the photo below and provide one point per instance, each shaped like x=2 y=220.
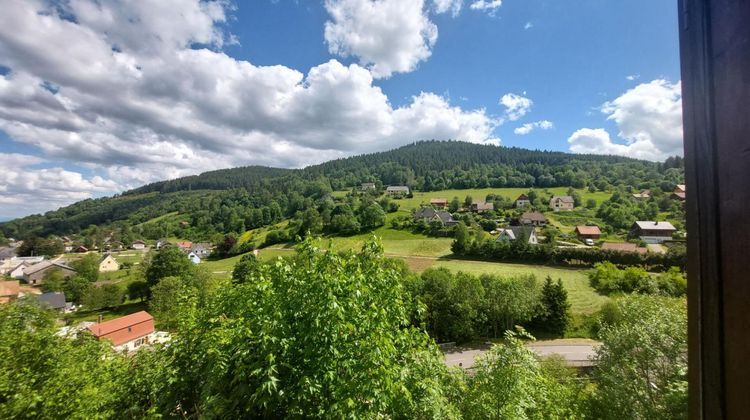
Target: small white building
x=195 y=259
x=397 y=191
x=522 y=201
x=515 y=233
x=138 y=245
x=108 y=263
x=652 y=232
x=558 y=203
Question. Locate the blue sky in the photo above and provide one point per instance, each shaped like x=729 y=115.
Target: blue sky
x=155 y=89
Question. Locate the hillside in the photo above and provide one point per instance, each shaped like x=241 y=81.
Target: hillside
x=233 y=200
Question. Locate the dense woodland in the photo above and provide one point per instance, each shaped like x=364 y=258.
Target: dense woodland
x=233 y=200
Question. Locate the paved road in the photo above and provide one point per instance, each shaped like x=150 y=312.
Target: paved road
x=575 y=352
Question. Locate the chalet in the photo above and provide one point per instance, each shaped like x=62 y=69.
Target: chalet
x=481 y=206
x=678 y=193
x=138 y=245
x=184 y=246
x=588 y=232
x=397 y=191
x=623 y=247
x=9 y=291
x=643 y=195
x=533 y=218
x=653 y=232
x=195 y=259
x=34 y=275
x=513 y=233
x=561 y=202
x=53 y=300
x=108 y=263
x=202 y=249
x=440 y=203
x=80 y=249
x=522 y=201
x=429 y=215
x=126 y=333
x=368 y=186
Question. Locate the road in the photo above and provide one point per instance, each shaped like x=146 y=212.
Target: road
x=576 y=352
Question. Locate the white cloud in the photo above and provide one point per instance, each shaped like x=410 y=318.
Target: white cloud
x=25 y=189
x=649 y=120
x=529 y=127
x=156 y=107
x=490 y=6
x=444 y=6
x=387 y=36
x=516 y=106
x=528 y=25
x=632 y=77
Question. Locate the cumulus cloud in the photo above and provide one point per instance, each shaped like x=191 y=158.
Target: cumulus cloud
x=649 y=120
x=516 y=106
x=444 y=6
x=490 y=6
x=138 y=98
x=632 y=77
x=529 y=127
x=24 y=188
x=386 y=36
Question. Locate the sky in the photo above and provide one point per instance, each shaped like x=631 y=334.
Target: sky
x=99 y=96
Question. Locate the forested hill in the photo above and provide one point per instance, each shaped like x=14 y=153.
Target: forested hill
x=248 y=197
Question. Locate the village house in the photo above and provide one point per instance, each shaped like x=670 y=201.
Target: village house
x=161 y=243
x=108 y=263
x=440 y=203
x=652 y=232
x=522 y=201
x=194 y=258
x=12 y=262
x=53 y=300
x=643 y=195
x=17 y=272
x=679 y=192
x=34 y=275
x=7 y=253
x=623 y=247
x=184 y=246
x=481 y=207
x=368 y=186
x=561 y=202
x=126 y=333
x=513 y=233
x=429 y=215
x=80 y=249
x=397 y=191
x=202 y=249
x=138 y=245
x=9 y=291
x=588 y=232
x=533 y=218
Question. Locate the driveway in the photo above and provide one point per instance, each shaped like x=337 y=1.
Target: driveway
x=576 y=352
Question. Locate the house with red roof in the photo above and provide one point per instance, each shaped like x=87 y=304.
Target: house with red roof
x=126 y=333
x=588 y=232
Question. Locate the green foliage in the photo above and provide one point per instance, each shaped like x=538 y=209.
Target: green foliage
x=76 y=288
x=103 y=297
x=53 y=281
x=33 y=245
x=554 y=317
x=46 y=376
x=606 y=278
x=138 y=289
x=322 y=335
x=87 y=267
x=642 y=363
x=167 y=262
x=165 y=301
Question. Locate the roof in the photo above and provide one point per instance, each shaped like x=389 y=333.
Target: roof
x=430 y=213
x=368 y=184
x=184 y=244
x=651 y=225
x=53 y=300
x=563 y=198
x=117 y=324
x=105 y=256
x=533 y=216
x=45 y=265
x=439 y=201
x=7 y=253
x=523 y=197
x=202 y=245
x=588 y=230
x=622 y=247
x=9 y=288
x=680 y=195
x=680 y=187
x=517 y=232
x=397 y=188
x=481 y=205
x=138 y=242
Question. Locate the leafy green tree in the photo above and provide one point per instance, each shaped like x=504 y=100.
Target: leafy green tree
x=112 y=295
x=165 y=301
x=167 y=262
x=76 y=288
x=138 y=290
x=509 y=301
x=93 y=299
x=554 y=317
x=641 y=367
x=454 y=205
x=590 y=203
x=87 y=267
x=462 y=238
x=345 y=224
x=227 y=245
x=319 y=347
x=53 y=281
x=468 y=201
x=371 y=216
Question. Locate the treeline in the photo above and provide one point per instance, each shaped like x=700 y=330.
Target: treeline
x=460 y=307
x=520 y=251
x=232 y=199
x=329 y=335
x=607 y=279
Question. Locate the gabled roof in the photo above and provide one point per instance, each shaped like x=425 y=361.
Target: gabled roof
x=651 y=225
x=439 y=201
x=184 y=244
x=397 y=188
x=54 y=300
x=118 y=324
x=680 y=187
x=45 y=265
x=523 y=197
x=623 y=247
x=563 y=198
x=517 y=232
x=482 y=205
x=9 y=288
x=588 y=230
x=105 y=256
x=7 y=253
x=534 y=216
x=138 y=242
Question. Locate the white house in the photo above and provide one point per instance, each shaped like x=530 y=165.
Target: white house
x=194 y=258
x=653 y=232
x=138 y=245
x=108 y=263
x=558 y=203
x=522 y=201
x=397 y=191
x=17 y=273
x=514 y=233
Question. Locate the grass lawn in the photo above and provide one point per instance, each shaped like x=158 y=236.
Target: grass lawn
x=126 y=308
